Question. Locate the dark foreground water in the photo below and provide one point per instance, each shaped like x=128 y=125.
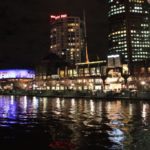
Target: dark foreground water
x=34 y=123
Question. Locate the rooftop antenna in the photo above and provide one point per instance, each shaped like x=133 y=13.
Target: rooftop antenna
x=85 y=37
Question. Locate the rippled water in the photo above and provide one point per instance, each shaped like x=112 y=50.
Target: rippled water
x=73 y=124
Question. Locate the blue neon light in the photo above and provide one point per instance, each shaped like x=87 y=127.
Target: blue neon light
x=16 y=73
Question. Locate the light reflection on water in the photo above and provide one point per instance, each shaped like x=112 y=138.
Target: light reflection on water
x=88 y=124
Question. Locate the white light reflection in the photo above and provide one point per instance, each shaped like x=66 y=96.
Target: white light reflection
x=72 y=105
x=72 y=102
x=5 y=107
x=85 y=106
x=108 y=107
x=63 y=103
x=56 y=106
x=116 y=135
x=130 y=109
x=44 y=105
x=35 y=104
x=12 y=100
x=58 y=103
x=144 y=113
x=99 y=109
x=25 y=103
x=92 y=107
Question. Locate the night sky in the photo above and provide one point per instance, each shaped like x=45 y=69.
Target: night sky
x=24 y=28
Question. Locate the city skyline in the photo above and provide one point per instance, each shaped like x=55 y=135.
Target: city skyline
x=25 y=28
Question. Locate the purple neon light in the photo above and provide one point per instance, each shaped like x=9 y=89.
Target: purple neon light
x=16 y=73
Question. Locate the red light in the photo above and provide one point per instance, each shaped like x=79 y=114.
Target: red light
x=58 y=16
x=52 y=17
x=63 y=16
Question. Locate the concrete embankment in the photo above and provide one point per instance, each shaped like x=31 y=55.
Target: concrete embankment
x=79 y=94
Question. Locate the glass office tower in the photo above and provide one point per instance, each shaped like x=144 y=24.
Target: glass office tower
x=129 y=29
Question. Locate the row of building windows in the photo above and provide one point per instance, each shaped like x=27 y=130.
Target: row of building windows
x=121 y=36
x=76 y=44
x=140 y=53
x=118 y=9
x=118 y=32
x=140 y=42
x=115 y=12
x=133 y=1
x=137 y=1
x=140 y=36
x=144 y=25
x=73 y=24
x=139 y=56
x=123 y=51
x=113 y=39
x=138 y=45
x=142 y=31
x=138 y=11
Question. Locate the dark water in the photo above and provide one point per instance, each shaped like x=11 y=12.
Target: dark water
x=73 y=124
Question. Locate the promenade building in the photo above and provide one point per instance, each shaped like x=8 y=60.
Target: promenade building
x=92 y=76
x=84 y=76
x=66 y=37
x=16 y=79
x=129 y=30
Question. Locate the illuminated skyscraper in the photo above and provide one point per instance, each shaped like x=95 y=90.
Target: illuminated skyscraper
x=129 y=29
x=66 y=37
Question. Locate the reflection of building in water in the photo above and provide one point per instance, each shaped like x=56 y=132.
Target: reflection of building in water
x=145 y=112
x=44 y=101
x=35 y=104
x=92 y=107
x=8 y=107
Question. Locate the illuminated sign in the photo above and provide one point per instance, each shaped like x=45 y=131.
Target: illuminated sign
x=113 y=56
x=113 y=61
x=17 y=73
x=56 y=17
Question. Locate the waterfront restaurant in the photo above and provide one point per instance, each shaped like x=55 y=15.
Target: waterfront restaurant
x=84 y=76
x=104 y=76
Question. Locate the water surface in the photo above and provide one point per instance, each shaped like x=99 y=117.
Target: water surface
x=73 y=124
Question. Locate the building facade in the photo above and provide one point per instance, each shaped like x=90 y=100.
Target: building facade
x=129 y=29
x=66 y=37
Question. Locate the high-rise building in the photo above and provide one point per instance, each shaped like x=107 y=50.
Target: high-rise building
x=129 y=29
x=66 y=37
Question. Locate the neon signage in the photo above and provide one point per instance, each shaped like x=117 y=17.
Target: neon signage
x=56 y=17
x=17 y=74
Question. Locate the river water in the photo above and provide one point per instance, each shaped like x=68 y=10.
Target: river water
x=73 y=124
